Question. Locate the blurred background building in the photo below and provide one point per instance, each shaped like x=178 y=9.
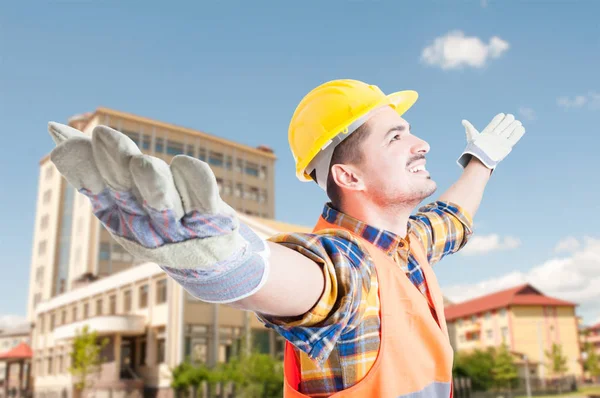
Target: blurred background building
x=523 y=318
x=81 y=276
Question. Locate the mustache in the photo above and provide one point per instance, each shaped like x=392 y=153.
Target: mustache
x=414 y=159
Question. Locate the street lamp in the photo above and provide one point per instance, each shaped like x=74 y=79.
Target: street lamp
x=527 y=385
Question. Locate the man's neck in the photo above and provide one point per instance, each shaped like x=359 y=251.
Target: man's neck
x=393 y=219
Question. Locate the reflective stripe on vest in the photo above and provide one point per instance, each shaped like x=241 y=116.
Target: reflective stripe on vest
x=415 y=357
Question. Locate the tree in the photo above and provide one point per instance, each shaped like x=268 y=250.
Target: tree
x=477 y=366
x=558 y=362
x=85 y=357
x=504 y=369
x=181 y=378
x=591 y=363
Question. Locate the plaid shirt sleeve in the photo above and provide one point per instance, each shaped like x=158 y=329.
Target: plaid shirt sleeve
x=443 y=228
x=342 y=301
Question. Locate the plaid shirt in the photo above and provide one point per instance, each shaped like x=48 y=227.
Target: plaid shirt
x=338 y=339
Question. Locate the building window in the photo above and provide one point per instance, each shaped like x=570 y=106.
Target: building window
x=63 y=317
x=229 y=163
x=202 y=154
x=505 y=334
x=159 y=146
x=253 y=193
x=220 y=184
x=263 y=196
x=49 y=172
x=215 y=159
x=47 y=196
x=44 y=222
x=127 y=301
x=161 y=291
x=146 y=142
x=263 y=172
x=52 y=322
x=239 y=165
x=490 y=334
x=42 y=248
x=113 y=304
x=86 y=310
x=252 y=169
x=160 y=350
x=238 y=190
x=143 y=296
x=488 y=315
x=190 y=151
x=503 y=312
x=98 y=307
x=142 y=352
x=74 y=314
x=104 y=254
x=174 y=148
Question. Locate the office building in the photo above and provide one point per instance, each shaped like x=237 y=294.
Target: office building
x=81 y=276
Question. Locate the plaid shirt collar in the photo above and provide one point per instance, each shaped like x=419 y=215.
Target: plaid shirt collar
x=387 y=241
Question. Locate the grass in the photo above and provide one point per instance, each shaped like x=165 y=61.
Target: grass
x=582 y=391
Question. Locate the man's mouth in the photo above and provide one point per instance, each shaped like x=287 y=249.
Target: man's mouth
x=418 y=166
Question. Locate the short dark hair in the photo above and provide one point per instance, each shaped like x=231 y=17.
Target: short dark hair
x=348 y=151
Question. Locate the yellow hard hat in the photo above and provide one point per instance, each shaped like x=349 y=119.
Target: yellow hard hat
x=329 y=109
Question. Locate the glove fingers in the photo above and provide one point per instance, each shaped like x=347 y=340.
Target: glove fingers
x=74 y=159
x=495 y=122
x=516 y=135
x=470 y=131
x=154 y=181
x=113 y=151
x=510 y=128
x=61 y=132
x=506 y=122
x=197 y=185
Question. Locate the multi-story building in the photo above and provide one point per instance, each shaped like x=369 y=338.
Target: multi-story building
x=523 y=318
x=81 y=276
x=590 y=336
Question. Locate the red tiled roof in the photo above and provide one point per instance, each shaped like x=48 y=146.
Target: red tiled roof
x=22 y=351
x=518 y=295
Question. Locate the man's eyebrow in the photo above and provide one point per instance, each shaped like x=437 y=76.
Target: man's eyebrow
x=398 y=128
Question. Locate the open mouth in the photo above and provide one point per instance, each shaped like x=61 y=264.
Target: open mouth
x=417 y=169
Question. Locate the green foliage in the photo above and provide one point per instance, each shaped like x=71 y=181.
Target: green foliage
x=592 y=362
x=478 y=367
x=85 y=356
x=558 y=362
x=504 y=370
x=486 y=368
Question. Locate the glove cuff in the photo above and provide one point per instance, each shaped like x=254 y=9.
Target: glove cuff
x=474 y=150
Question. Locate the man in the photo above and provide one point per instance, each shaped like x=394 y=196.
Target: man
x=356 y=300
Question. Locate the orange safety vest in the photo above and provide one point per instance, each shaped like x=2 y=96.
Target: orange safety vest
x=415 y=357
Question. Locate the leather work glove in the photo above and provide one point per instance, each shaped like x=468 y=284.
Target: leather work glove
x=494 y=143
x=168 y=214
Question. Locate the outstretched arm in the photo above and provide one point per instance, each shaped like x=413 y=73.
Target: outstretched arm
x=467 y=191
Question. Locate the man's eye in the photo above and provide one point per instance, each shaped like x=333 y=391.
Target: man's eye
x=396 y=137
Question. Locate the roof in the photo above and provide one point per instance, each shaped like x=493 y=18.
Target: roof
x=22 y=351
x=85 y=118
x=524 y=294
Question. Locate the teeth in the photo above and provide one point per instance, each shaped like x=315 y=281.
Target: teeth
x=418 y=168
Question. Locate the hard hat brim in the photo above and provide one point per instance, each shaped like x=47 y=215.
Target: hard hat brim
x=400 y=101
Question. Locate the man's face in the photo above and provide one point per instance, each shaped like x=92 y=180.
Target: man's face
x=393 y=167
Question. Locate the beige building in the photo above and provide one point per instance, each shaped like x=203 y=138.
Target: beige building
x=80 y=276
x=523 y=318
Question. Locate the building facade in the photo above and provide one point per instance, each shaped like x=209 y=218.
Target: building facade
x=80 y=276
x=524 y=319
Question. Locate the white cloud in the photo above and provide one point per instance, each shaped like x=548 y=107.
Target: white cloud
x=455 y=50
x=591 y=99
x=574 y=278
x=527 y=113
x=487 y=243
x=569 y=244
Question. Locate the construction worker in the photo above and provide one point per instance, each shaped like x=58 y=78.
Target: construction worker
x=356 y=300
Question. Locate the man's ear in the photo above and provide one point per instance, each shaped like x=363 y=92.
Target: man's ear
x=347 y=176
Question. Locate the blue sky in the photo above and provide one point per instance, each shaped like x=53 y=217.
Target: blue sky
x=238 y=71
